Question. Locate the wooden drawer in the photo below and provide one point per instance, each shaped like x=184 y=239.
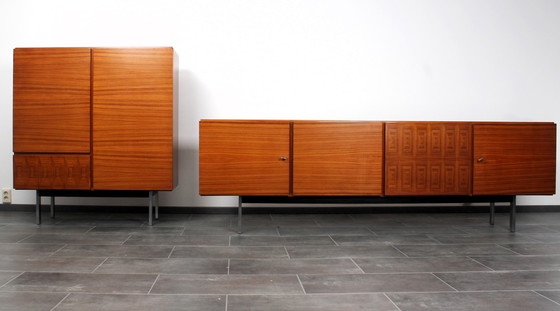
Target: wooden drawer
x=52 y=171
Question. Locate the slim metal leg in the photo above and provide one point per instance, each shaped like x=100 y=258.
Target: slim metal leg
x=52 y=206
x=38 y=207
x=150 y=208
x=157 y=204
x=492 y=212
x=240 y=216
x=513 y=214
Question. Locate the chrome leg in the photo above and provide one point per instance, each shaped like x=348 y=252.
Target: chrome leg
x=37 y=207
x=52 y=206
x=150 y=208
x=513 y=214
x=157 y=204
x=492 y=212
x=240 y=216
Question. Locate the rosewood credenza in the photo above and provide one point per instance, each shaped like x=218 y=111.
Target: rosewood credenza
x=283 y=161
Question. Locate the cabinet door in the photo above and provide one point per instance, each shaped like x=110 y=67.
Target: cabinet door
x=514 y=159
x=428 y=158
x=337 y=158
x=244 y=158
x=133 y=119
x=52 y=100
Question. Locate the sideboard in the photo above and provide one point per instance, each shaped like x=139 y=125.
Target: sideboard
x=285 y=161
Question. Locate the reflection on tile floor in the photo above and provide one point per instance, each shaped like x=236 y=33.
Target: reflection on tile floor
x=398 y=262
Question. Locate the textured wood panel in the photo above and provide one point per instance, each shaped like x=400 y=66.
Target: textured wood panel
x=428 y=158
x=52 y=171
x=337 y=158
x=516 y=159
x=133 y=119
x=52 y=100
x=244 y=158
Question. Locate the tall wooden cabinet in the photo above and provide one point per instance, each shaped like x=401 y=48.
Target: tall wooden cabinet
x=95 y=118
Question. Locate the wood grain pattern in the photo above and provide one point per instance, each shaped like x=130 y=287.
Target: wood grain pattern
x=51 y=100
x=52 y=171
x=244 y=158
x=133 y=119
x=428 y=158
x=517 y=159
x=337 y=158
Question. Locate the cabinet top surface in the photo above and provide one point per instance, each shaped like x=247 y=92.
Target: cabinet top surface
x=97 y=47
x=387 y=122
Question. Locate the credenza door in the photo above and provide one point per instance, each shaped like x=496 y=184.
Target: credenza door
x=133 y=118
x=428 y=158
x=244 y=157
x=337 y=158
x=52 y=100
x=514 y=159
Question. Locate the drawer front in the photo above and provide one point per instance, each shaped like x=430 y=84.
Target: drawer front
x=52 y=171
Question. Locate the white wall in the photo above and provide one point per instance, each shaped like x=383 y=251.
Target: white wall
x=312 y=59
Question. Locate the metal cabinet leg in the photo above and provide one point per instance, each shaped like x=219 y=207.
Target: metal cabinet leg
x=150 y=208
x=492 y=212
x=52 y=206
x=38 y=207
x=513 y=214
x=240 y=216
x=157 y=204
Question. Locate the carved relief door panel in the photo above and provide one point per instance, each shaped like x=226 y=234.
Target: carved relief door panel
x=428 y=158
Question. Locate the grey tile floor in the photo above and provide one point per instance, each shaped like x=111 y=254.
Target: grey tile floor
x=96 y=261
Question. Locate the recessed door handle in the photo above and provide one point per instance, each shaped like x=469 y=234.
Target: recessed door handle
x=283 y=158
x=480 y=160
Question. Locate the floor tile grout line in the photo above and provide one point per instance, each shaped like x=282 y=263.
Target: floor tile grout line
x=514 y=252
x=287 y=252
x=60 y=302
x=99 y=266
x=391 y=300
x=27 y=237
x=126 y=240
x=435 y=275
x=397 y=248
x=357 y=265
x=15 y=277
x=330 y=237
x=536 y=292
x=53 y=254
x=228 y=266
x=171 y=252
x=153 y=284
x=226 y=304
x=301 y=284
x=480 y=263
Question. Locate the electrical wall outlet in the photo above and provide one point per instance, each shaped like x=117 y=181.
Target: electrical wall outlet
x=6 y=195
